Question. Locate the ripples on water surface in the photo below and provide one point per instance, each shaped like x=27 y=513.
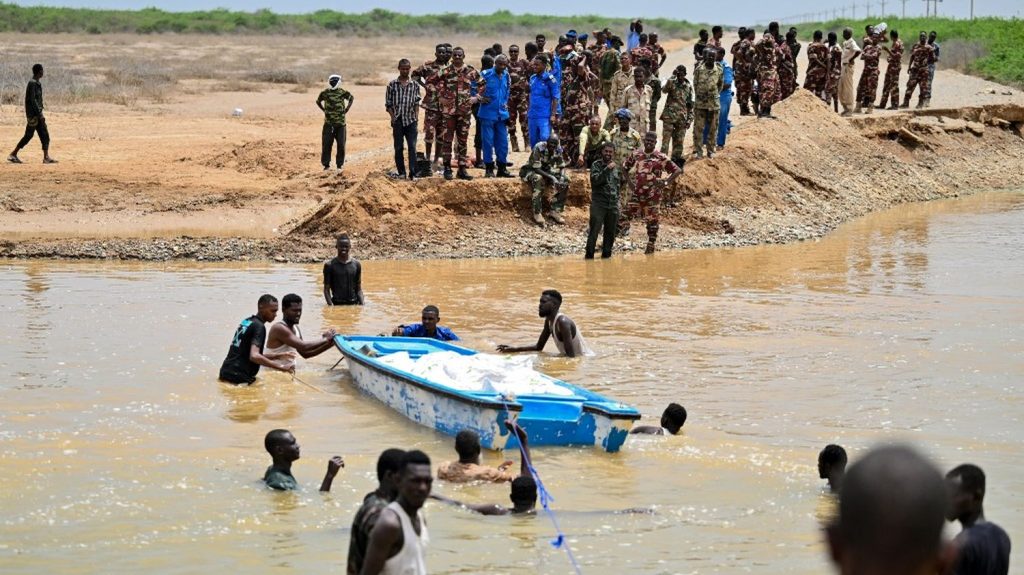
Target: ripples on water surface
x=122 y=454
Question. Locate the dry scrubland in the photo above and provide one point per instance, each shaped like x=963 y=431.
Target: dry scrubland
x=153 y=166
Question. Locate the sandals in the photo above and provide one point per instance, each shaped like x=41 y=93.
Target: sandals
x=49 y=161
x=14 y=159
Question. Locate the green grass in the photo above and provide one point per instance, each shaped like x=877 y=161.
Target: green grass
x=376 y=22
x=992 y=48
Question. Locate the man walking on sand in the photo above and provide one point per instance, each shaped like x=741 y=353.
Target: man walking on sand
x=334 y=102
x=36 y=120
x=846 y=90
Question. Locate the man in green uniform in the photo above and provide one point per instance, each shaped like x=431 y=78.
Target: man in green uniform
x=605 y=181
x=545 y=167
x=677 y=114
x=334 y=102
x=592 y=139
x=36 y=122
x=707 y=83
x=626 y=141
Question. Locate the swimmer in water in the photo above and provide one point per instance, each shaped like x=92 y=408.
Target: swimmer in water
x=285 y=338
x=568 y=338
x=284 y=449
x=832 y=466
x=672 y=420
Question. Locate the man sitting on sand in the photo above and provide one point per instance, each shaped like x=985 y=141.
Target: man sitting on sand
x=524 y=488
x=245 y=356
x=832 y=466
x=284 y=449
x=429 y=328
x=567 y=336
x=672 y=420
x=285 y=339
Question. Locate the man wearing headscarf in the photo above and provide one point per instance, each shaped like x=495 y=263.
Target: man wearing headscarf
x=335 y=102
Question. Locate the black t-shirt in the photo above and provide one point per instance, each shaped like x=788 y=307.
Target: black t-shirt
x=345 y=281
x=984 y=550
x=237 y=367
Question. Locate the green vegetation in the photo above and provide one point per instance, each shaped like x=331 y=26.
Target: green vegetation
x=992 y=48
x=376 y=22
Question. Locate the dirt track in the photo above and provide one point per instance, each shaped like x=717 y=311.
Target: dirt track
x=184 y=179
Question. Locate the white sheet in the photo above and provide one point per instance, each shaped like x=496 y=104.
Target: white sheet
x=509 y=375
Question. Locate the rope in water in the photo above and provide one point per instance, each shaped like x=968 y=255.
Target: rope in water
x=560 y=541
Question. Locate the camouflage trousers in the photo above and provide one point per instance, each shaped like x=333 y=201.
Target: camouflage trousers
x=517 y=108
x=674 y=132
x=433 y=124
x=744 y=88
x=867 y=88
x=655 y=85
x=700 y=119
x=832 y=88
x=456 y=132
x=644 y=207
x=569 y=133
x=606 y=93
x=787 y=83
x=816 y=81
x=919 y=78
x=891 y=87
x=539 y=185
x=768 y=87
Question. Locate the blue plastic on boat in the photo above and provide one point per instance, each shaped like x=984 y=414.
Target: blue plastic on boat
x=581 y=419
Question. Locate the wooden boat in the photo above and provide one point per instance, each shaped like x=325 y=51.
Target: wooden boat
x=578 y=418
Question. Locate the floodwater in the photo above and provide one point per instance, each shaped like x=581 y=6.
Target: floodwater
x=122 y=454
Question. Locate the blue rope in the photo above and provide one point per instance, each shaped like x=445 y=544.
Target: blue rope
x=560 y=541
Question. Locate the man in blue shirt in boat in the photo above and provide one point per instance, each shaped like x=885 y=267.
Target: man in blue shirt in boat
x=568 y=338
x=429 y=328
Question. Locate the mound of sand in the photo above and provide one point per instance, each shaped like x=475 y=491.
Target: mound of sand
x=274 y=159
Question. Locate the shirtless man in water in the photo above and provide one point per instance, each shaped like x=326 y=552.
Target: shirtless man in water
x=567 y=336
x=285 y=337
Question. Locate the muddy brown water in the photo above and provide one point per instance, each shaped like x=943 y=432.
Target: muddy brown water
x=122 y=454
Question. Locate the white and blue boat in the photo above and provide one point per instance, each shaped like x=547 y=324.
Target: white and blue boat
x=572 y=417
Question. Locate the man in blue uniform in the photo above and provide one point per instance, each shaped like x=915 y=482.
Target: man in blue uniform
x=544 y=96
x=493 y=115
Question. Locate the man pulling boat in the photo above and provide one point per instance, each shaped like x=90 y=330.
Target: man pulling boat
x=567 y=336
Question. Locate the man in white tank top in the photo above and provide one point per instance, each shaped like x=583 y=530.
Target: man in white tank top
x=285 y=339
x=567 y=336
x=399 y=539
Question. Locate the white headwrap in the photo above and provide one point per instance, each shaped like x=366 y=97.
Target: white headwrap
x=331 y=77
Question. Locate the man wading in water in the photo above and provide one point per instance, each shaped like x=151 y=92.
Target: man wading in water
x=567 y=336
x=399 y=539
x=285 y=338
x=245 y=356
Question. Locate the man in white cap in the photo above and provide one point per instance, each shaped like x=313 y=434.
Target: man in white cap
x=335 y=102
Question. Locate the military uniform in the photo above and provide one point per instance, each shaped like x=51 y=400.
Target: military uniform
x=707 y=87
x=921 y=56
x=655 y=83
x=746 y=73
x=548 y=160
x=576 y=109
x=591 y=144
x=868 y=86
x=646 y=199
x=625 y=144
x=519 y=101
x=787 y=70
x=794 y=51
x=605 y=183
x=638 y=102
x=891 y=87
x=455 y=88
x=335 y=101
x=608 y=66
x=835 y=73
x=816 y=79
x=621 y=80
x=677 y=115
x=767 y=71
x=433 y=122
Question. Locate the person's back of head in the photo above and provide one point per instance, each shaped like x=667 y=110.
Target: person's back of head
x=467 y=445
x=673 y=418
x=891 y=516
x=390 y=461
x=831 y=459
x=524 y=492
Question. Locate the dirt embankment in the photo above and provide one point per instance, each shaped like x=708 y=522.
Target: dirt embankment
x=791 y=178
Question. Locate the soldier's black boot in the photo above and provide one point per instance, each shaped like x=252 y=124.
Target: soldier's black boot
x=463 y=175
x=490 y=170
x=514 y=141
x=744 y=110
x=448 y=172
x=503 y=171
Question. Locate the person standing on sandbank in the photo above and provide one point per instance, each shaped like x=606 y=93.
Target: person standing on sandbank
x=334 y=102
x=846 y=90
x=36 y=120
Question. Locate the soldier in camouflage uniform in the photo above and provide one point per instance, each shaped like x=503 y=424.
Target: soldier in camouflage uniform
x=659 y=57
x=786 y=67
x=608 y=65
x=626 y=141
x=891 y=87
x=817 y=67
x=545 y=167
x=645 y=202
x=921 y=56
x=677 y=115
x=708 y=82
x=519 y=96
x=794 y=50
x=637 y=99
x=458 y=86
x=835 y=71
x=576 y=108
x=868 y=86
x=741 y=71
x=622 y=79
x=426 y=76
x=335 y=102
x=765 y=61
